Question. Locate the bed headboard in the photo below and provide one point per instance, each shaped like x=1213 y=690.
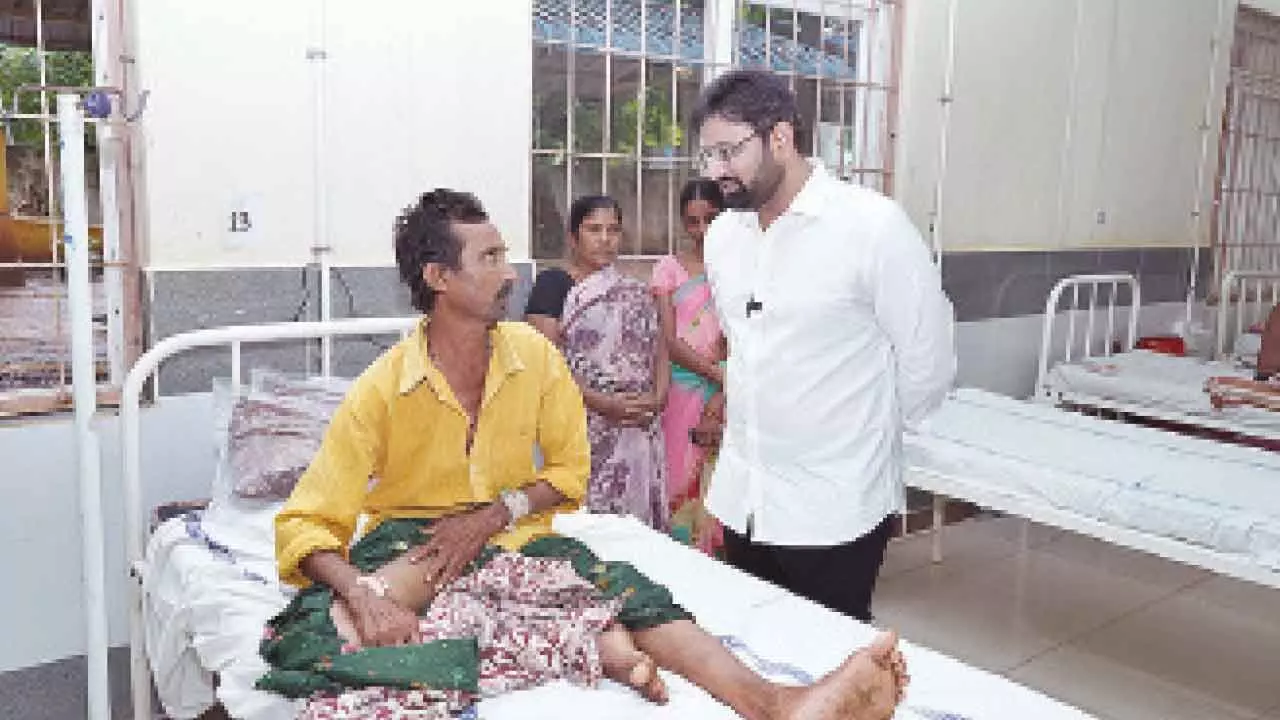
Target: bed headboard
x=1246 y=298
x=1097 y=296
x=232 y=339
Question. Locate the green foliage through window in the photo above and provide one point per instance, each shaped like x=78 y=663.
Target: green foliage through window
x=20 y=66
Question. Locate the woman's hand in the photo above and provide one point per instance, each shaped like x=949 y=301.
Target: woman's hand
x=710 y=427
x=640 y=409
x=714 y=409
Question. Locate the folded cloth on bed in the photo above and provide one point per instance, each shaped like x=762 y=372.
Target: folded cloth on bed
x=512 y=621
x=206 y=598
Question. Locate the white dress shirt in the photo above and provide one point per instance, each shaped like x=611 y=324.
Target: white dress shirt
x=849 y=337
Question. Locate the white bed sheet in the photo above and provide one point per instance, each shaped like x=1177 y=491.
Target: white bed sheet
x=204 y=611
x=1162 y=386
x=1028 y=457
x=776 y=625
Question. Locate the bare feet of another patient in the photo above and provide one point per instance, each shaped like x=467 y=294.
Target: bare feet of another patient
x=867 y=686
x=625 y=663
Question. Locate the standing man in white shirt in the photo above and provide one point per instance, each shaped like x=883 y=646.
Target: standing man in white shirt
x=839 y=335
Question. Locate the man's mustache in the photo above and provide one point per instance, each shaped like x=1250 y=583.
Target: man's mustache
x=504 y=293
x=731 y=182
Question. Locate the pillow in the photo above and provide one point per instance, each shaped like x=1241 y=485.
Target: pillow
x=271 y=431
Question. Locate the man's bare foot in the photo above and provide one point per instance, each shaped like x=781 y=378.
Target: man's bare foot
x=623 y=662
x=867 y=686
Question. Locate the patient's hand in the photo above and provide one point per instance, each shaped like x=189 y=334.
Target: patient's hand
x=454 y=541
x=385 y=622
x=366 y=620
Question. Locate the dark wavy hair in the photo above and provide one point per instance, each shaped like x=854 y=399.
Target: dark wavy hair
x=587 y=204
x=424 y=234
x=702 y=189
x=752 y=97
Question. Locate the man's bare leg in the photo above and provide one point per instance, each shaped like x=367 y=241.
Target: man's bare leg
x=625 y=663
x=867 y=686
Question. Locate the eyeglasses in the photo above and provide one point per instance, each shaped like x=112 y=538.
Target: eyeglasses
x=720 y=152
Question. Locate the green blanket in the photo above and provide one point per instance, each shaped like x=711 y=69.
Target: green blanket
x=303 y=648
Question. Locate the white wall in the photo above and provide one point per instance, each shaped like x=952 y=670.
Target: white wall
x=1062 y=110
x=40 y=520
x=417 y=95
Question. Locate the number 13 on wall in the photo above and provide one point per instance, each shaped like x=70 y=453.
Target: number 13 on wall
x=240 y=222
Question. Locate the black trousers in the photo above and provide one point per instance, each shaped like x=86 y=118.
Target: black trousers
x=841 y=577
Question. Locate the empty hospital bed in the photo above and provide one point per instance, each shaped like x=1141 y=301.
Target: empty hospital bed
x=1204 y=503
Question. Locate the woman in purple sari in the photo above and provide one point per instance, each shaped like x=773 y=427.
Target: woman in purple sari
x=608 y=327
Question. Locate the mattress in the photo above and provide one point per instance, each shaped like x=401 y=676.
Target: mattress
x=1217 y=497
x=201 y=570
x=1167 y=387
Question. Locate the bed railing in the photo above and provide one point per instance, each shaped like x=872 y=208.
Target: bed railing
x=1250 y=294
x=135 y=516
x=1095 y=314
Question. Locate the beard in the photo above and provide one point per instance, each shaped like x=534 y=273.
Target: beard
x=736 y=195
x=500 y=302
x=739 y=195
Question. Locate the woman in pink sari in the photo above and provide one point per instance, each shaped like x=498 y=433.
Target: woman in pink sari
x=697 y=348
x=611 y=336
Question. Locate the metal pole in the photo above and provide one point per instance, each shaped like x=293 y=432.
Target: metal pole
x=84 y=393
x=948 y=95
x=108 y=157
x=1206 y=125
x=321 y=251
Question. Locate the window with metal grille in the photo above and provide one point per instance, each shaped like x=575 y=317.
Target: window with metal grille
x=45 y=44
x=1246 y=229
x=615 y=82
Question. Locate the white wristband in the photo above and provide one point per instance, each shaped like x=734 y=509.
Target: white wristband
x=374 y=584
x=517 y=503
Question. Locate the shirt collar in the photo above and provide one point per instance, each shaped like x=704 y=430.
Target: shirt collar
x=812 y=196
x=809 y=202
x=416 y=366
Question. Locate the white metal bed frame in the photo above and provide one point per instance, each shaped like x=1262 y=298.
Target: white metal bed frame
x=1241 y=303
x=1248 y=310
x=1054 y=303
x=130 y=414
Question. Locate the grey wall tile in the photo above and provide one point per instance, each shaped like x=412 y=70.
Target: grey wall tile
x=1008 y=284
x=1074 y=262
x=1016 y=294
x=1165 y=274
x=191 y=300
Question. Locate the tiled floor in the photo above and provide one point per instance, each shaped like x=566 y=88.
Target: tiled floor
x=1120 y=634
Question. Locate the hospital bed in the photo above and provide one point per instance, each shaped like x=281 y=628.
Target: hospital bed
x=1208 y=504
x=206 y=583
x=1089 y=360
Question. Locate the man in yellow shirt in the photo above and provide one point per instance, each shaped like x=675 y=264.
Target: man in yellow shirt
x=440 y=431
